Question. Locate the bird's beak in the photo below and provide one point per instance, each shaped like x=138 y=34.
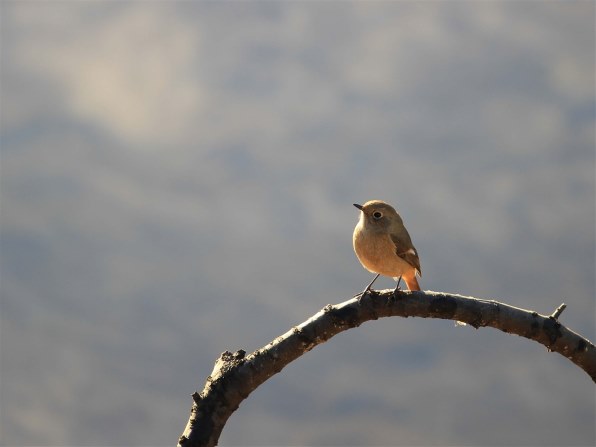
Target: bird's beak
x=358 y=206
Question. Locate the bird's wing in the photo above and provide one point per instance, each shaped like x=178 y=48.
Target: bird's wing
x=405 y=250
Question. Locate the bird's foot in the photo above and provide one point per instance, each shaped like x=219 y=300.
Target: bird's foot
x=397 y=287
x=362 y=294
x=367 y=289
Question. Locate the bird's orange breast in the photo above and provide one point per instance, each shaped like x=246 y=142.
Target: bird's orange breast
x=376 y=253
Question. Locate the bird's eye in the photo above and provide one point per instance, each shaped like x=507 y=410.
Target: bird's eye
x=377 y=215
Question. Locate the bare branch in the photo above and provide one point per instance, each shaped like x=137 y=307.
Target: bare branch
x=235 y=375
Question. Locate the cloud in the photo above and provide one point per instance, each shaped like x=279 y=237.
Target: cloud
x=132 y=71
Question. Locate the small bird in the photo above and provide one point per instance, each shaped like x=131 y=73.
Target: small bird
x=383 y=245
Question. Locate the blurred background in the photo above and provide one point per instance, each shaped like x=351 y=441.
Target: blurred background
x=177 y=180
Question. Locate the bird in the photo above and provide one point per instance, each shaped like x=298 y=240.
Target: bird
x=383 y=245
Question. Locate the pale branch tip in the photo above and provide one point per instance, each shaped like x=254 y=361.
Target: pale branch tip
x=236 y=375
x=558 y=311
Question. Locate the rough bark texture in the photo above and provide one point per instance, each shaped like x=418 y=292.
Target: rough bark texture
x=236 y=375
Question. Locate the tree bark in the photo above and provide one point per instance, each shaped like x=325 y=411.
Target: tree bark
x=236 y=375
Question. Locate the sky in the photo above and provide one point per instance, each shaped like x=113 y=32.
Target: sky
x=177 y=180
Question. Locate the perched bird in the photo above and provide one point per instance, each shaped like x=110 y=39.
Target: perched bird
x=383 y=245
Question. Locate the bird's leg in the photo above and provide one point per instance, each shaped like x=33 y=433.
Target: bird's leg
x=368 y=287
x=397 y=289
x=371 y=283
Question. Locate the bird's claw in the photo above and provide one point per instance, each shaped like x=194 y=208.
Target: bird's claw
x=397 y=287
x=361 y=295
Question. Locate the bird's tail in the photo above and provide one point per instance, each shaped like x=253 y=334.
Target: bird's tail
x=412 y=282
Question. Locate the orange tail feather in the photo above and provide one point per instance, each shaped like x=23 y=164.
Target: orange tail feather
x=412 y=282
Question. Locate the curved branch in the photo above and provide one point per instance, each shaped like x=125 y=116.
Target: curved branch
x=235 y=376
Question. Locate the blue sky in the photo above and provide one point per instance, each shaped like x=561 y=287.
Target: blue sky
x=178 y=179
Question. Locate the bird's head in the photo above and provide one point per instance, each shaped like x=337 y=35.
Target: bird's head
x=377 y=214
